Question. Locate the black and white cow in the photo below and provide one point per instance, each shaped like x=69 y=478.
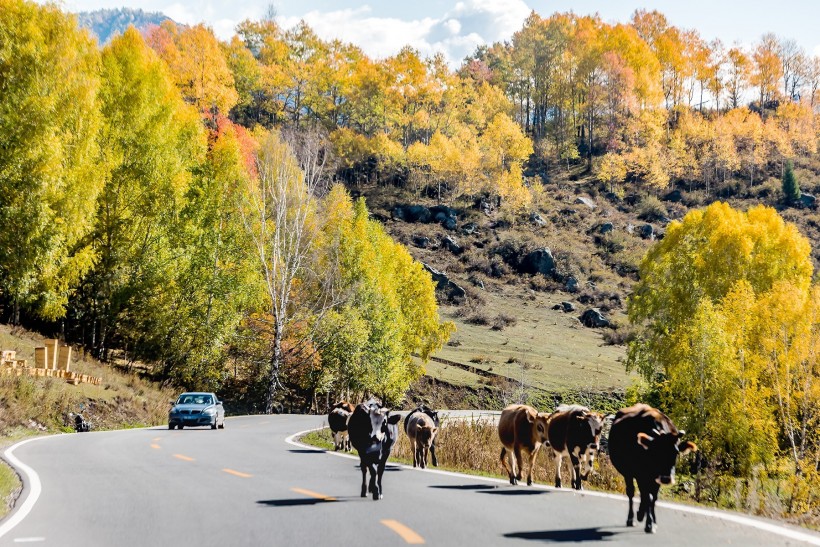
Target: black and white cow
x=644 y=445
x=337 y=420
x=574 y=431
x=434 y=416
x=373 y=432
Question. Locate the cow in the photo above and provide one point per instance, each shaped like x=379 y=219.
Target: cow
x=337 y=420
x=434 y=415
x=644 y=445
x=574 y=431
x=521 y=428
x=421 y=430
x=373 y=432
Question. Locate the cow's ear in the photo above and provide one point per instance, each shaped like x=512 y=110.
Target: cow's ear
x=394 y=419
x=644 y=440
x=687 y=447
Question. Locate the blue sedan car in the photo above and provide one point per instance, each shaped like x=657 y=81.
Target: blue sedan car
x=197 y=409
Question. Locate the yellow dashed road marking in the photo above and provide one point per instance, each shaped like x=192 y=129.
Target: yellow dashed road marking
x=154 y=445
x=312 y=494
x=183 y=458
x=237 y=473
x=408 y=535
x=155 y=439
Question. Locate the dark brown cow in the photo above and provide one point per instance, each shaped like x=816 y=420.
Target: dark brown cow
x=422 y=431
x=574 y=431
x=644 y=445
x=337 y=420
x=521 y=428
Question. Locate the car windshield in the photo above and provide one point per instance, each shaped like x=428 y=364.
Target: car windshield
x=194 y=399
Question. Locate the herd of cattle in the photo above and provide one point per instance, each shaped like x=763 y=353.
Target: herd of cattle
x=643 y=444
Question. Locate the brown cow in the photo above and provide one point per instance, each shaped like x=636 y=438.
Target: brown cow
x=422 y=432
x=521 y=428
x=574 y=431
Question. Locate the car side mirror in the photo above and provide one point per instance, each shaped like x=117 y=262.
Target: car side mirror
x=172 y=403
x=219 y=403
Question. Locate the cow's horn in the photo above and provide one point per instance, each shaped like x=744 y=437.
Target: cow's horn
x=644 y=440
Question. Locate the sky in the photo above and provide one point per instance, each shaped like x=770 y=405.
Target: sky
x=456 y=27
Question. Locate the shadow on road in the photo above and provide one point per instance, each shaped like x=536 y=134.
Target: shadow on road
x=462 y=486
x=564 y=536
x=293 y=502
x=497 y=490
x=305 y=451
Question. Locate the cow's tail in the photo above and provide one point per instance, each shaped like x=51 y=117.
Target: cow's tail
x=503 y=457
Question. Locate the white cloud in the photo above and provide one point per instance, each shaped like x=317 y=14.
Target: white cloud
x=455 y=33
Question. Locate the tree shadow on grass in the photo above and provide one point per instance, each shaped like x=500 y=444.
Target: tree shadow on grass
x=576 y=535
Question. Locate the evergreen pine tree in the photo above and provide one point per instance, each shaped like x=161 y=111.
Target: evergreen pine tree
x=791 y=189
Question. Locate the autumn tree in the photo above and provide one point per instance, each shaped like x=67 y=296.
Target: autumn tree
x=699 y=303
x=151 y=142
x=279 y=215
x=49 y=172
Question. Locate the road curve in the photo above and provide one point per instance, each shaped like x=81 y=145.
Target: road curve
x=246 y=485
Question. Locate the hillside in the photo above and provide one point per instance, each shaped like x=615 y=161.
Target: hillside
x=107 y=23
x=508 y=330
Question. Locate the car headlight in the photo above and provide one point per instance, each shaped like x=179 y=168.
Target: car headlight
x=174 y=411
x=210 y=411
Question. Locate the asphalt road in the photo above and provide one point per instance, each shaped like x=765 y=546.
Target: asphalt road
x=246 y=486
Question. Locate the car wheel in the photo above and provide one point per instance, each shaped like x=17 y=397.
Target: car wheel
x=180 y=426
x=170 y=426
x=213 y=425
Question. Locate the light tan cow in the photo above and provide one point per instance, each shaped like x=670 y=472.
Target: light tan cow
x=521 y=427
x=421 y=430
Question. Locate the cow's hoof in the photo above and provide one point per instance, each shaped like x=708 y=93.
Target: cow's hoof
x=630 y=522
x=650 y=529
x=640 y=516
x=529 y=482
x=376 y=496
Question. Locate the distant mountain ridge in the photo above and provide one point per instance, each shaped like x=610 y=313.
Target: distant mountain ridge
x=107 y=23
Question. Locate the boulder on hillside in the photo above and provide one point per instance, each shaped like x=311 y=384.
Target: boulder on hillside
x=589 y=202
x=567 y=307
x=808 y=200
x=539 y=261
x=646 y=231
x=412 y=213
x=537 y=219
x=451 y=245
x=594 y=319
x=421 y=242
x=605 y=228
x=571 y=284
x=469 y=228
x=444 y=284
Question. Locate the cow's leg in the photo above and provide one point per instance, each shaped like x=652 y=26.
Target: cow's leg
x=364 y=477
x=630 y=493
x=423 y=462
x=533 y=454
x=519 y=462
x=651 y=520
x=557 y=457
x=415 y=452
x=644 y=510
x=510 y=472
x=576 y=469
x=380 y=473
x=374 y=486
x=433 y=454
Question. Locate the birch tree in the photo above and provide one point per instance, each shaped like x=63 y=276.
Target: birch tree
x=280 y=216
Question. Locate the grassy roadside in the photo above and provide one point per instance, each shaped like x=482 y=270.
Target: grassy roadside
x=473 y=448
